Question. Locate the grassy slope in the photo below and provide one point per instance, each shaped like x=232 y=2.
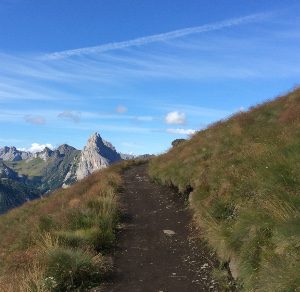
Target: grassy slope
x=60 y=242
x=245 y=176
x=31 y=168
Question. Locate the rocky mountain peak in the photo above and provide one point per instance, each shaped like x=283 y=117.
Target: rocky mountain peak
x=97 y=154
x=96 y=141
x=94 y=138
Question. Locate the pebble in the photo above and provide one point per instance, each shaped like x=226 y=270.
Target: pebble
x=168 y=232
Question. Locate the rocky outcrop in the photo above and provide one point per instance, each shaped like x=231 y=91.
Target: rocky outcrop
x=97 y=154
x=45 y=154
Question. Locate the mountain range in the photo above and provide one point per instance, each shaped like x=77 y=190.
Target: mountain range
x=25 y=175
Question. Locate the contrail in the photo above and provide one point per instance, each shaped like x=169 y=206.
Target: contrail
x=158 y=37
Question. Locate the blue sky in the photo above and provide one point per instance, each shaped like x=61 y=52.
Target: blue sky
x=141 y=73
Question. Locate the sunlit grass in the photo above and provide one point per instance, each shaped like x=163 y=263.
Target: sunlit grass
x=61 y=242
x=245 y=176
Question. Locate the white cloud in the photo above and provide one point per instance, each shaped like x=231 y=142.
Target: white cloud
x=181 y=131
x=121 y=109
x=69 y=115
x=35 y=120
x=175 y=117
x=159 y=37
x=36 y=147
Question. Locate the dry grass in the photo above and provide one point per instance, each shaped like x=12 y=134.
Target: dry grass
x=61 y=241
x=245 y=176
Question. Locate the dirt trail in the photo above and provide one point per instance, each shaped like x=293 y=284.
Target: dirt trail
x=156 y=250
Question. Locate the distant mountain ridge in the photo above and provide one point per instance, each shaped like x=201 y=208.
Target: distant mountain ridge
x=47 y=170
x=13 y=154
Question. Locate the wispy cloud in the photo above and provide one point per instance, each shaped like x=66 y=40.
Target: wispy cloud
x=209 y=57
x=35 y=120
x=159 y=37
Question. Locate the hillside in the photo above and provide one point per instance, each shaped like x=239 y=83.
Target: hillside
x=243 y=175
x=61 y=242
x=113 y=231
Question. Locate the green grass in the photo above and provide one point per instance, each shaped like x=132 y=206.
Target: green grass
x=62 y=242
x=245 y=177
x=32 y=168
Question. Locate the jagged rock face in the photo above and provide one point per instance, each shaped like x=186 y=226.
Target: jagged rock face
x=13 y=154
x=97 y=154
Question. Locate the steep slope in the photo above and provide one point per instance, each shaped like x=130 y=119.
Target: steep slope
x=244 y=179
x=97 y=154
